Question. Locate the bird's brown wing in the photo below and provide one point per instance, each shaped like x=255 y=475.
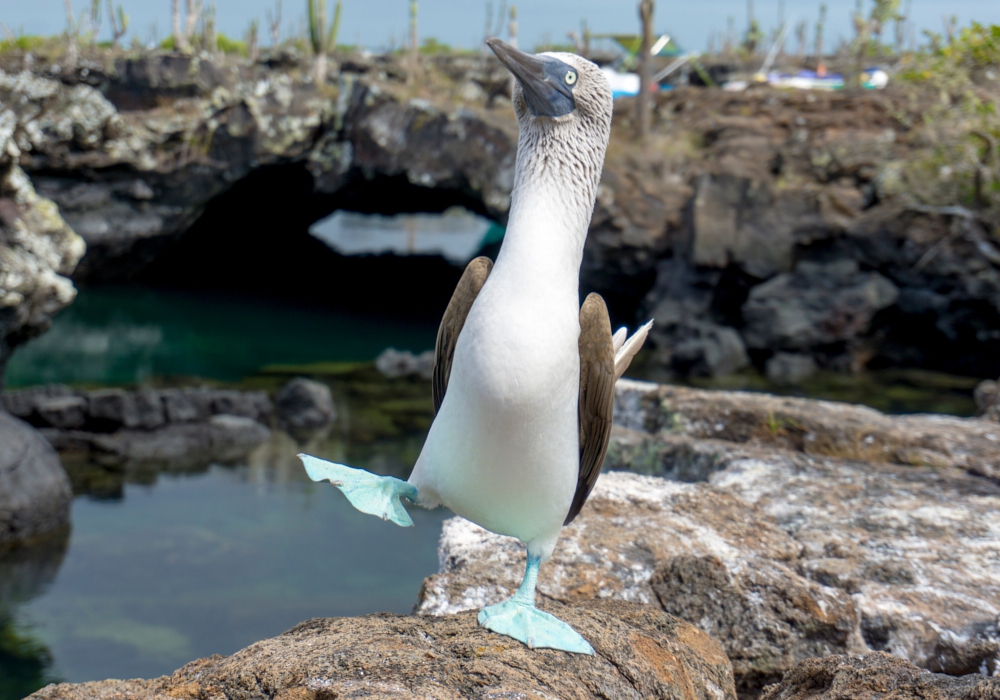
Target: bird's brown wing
x=454 y=317
x=597 y=396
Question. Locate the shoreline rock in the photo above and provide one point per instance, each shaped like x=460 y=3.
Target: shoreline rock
x=35 y=492
x=871 y=677
x=38 y=251
x=641 y=653
x=786 y=553
x=178 y=428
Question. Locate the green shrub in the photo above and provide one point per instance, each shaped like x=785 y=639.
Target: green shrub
x=432 y=46
x=976 y=46
x=222 y=42
x=231 y=46
x=25 y=42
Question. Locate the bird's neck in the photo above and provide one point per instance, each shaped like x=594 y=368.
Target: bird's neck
x=551 y=206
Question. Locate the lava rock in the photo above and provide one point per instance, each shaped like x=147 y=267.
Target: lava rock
x=874 y=677
x=686 y=337
x=255 y=405
x=35 y=492
x=63 y=412
x=111 y=409
x=304 y=407
x=790 y=369
x=714 y=560
x=988 y=399
x=641 y=653
x=188 y=405
x=223 y=438
x=789 y=551
x=815 y=305
x=809 y=427
x=38 y=250
x=393 y=364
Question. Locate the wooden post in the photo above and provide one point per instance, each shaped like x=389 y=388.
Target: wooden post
x=644 y=102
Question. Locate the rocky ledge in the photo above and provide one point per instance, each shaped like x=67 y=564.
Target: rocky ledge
x=810 y=529
x=874 y=677
x=35 y=493
x=38 y=251
x=172 y=428
x=765 y=225
x=641 y=653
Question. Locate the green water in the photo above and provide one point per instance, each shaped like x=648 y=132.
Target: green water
x=128 y=334
x=163 y=568
x=207 y=564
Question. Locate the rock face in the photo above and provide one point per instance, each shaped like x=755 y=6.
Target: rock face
x=34 y=491
x=641 y=653
x=155 y=169
x=788 y=552
x=876 y=676
x=305 y=407
x=175 y=428
x=742 y=198
x=817 y=305
x=37 y=250
x=394 y=363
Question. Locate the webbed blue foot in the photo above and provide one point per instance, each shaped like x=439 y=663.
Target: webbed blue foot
x=520 y=619
x=369 y=493
x=534 y=627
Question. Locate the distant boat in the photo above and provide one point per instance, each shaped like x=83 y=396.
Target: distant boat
x=455 y=234
x=872 y=79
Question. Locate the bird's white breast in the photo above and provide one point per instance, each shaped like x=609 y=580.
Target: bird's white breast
x=504 y=449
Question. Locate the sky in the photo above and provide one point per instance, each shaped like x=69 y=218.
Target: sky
x=378 y=24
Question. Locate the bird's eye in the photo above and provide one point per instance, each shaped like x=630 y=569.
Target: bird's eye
x=570 y=77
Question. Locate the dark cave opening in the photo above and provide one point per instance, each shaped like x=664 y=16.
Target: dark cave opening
x=254 y=239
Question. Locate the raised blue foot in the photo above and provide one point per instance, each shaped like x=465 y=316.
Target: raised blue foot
x=520 y=619
x=369 y=493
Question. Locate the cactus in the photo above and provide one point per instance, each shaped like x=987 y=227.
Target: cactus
x=414 y=47
x=95 y=20
x=118 y=26
x=274 y=22
x=183 y=32
x=209 y=37
x=323 y=41
x=253 y=50
x=72 y=34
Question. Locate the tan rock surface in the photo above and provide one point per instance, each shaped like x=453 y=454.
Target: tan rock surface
x=876 y=676
x=820 y=428
x=641 y=653
x=784 y=555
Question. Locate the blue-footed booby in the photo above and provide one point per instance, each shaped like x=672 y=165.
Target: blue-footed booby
x=524 y=377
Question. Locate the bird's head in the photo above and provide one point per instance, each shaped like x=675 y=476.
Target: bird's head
x=557 y=89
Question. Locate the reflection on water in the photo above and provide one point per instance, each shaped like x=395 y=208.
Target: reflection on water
x=25 y=573
x=25 y=665
x=209 y=563
x=125 y=334
x=456 y=234
x=163 y=567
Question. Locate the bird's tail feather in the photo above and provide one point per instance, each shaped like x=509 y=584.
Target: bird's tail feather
x=626 y=349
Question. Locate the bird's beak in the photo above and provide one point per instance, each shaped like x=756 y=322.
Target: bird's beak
x=540 y=79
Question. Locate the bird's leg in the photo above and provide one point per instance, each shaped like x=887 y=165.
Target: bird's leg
x=369 y=493
x=520 y=619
